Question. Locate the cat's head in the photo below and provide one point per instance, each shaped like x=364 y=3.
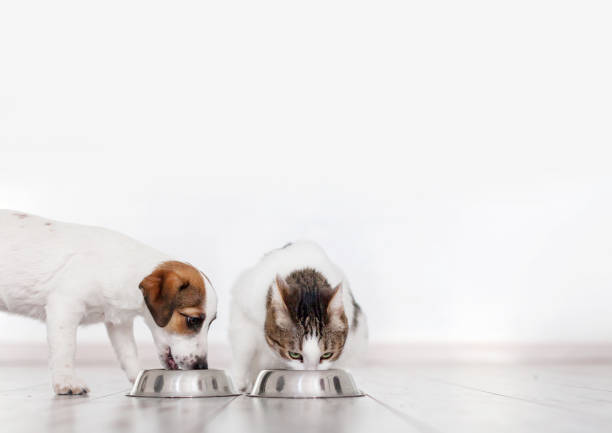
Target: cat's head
x=305 y=321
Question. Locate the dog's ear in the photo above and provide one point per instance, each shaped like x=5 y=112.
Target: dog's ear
x=159 y=290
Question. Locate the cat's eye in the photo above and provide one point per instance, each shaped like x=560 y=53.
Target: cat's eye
x=295 y=355
x=326 y=355
x=194 y=322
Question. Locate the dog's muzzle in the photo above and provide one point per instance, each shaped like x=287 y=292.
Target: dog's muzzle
x=200 y=364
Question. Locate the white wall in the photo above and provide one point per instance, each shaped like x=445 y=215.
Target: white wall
x=454 y=159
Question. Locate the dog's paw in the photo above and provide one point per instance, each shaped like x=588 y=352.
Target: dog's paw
x=69 y=385
x=132 y=372
x=132 y=375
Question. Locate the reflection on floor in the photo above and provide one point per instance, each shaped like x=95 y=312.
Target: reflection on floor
x=457 y=397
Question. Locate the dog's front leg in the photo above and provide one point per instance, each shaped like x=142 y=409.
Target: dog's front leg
x=63 y=318
x=122 y=337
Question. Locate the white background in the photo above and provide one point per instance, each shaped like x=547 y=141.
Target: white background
x=452 y=157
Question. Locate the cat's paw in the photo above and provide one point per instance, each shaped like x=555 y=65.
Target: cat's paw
x=69 y=385
x=243 y=386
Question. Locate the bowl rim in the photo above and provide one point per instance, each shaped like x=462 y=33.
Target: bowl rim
x=358 y=391
x=130 y=393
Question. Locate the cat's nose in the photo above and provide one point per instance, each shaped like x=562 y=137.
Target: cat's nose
x=200 y=364
x=311 y=365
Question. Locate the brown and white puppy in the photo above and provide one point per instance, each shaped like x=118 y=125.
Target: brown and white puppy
x=68 y=275
x=176 y=294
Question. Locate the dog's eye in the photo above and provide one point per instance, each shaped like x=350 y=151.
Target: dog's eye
x=326 y=355
x=295 y=355
x=194 y=323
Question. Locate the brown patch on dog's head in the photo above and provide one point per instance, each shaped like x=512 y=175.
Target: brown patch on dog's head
x=173 y=292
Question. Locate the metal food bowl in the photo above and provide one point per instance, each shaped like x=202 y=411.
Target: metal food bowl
x=305 y=384
x=182 y=383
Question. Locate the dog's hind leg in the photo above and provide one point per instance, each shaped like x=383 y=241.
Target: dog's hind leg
x=63 y=318
x=122 y=337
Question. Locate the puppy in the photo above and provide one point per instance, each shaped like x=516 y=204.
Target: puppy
x=68 y=274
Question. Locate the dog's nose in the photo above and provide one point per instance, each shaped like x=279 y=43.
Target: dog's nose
x=200 y=364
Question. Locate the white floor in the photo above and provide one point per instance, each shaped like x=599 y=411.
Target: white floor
x=456 y=397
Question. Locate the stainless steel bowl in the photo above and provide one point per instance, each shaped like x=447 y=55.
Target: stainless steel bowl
x=305 y=384
x=182 y=383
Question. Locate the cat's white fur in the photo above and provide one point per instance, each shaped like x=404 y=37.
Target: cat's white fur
x=69 y=274
x=250 y=351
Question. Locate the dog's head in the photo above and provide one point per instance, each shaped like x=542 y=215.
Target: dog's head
x=181 y=304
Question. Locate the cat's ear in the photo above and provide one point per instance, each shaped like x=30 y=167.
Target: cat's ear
x=335 y=310
x=335 y=307
x=280 y=290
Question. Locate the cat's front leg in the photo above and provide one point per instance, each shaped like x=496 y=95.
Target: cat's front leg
x=244 y=383
x=122 y=338
x=63 y=318
x=242 y=371
x=244 y=354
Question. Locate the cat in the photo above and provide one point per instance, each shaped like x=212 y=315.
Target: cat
x=293 y=310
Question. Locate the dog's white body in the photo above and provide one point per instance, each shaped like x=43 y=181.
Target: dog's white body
x=251 y=353
x=69 y=274
x=44 y=259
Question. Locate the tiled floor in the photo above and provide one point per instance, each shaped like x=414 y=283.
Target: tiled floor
x=410 y=398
